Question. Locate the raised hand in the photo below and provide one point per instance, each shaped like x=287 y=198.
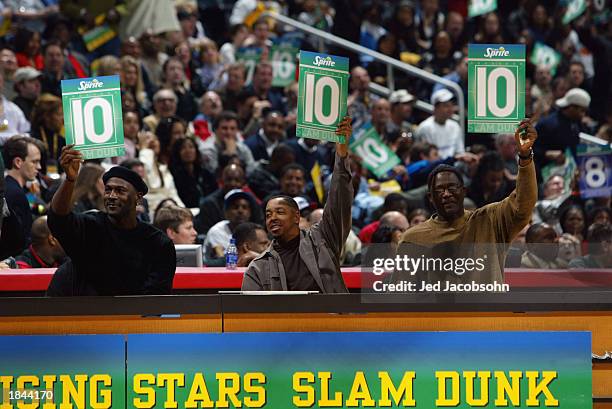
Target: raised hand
x=344 y=128
x=70 y=160
x=525 y=136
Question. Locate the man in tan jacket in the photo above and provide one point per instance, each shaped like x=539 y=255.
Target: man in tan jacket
x=453 y=235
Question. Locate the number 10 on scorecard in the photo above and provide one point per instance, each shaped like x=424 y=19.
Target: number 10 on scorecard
x=322 y=93
x=92 y=116
x=496 y=87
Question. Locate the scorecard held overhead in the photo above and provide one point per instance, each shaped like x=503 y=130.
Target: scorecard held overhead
x=322 y=95
x=93 y=116
x=496 y=87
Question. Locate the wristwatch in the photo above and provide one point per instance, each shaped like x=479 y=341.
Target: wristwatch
x=529 y=155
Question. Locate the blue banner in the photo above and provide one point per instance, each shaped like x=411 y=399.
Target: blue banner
x=595 y=164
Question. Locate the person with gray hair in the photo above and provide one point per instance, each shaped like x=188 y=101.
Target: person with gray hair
x=164 y=106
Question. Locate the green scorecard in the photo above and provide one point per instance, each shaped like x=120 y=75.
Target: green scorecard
x=322 y=95
x=496 y=87
x=92 y=116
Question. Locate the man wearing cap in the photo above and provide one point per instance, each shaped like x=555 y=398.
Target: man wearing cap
x=239 y=208
x=112 y=253
x=401 y=110
x=439 y=129
x=307 y=259
x=560 y=129
x=27 y=85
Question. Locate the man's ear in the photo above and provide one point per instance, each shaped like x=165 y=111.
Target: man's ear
x=244 y=247
x=170 y=233
x=139 y=197
x=17 y=163
x=297 y=216
x=51 y=240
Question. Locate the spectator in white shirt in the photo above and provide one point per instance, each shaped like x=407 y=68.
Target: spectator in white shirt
x=12 y=119
x=239 y=207
x=439 y=129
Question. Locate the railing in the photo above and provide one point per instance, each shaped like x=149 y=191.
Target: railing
x=325 y=37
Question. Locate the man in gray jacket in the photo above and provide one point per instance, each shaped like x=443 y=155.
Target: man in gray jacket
x=307 y=259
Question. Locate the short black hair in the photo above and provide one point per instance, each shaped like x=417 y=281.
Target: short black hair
x=595 y=211
x=131 y=163
x=51 y=43
x=288 y=200
x=384 y=233
x=292 y=166
x=443 y=168
x=420 y=148
x=17 y=147
x=246 y=232
x=393 y=198
x=533 y=230
x=245 y=94
x=225 y=116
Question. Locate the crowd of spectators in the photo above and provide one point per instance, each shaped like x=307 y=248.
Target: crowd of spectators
x=205 y=133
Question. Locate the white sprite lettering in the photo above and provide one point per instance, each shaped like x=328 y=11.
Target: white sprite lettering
x=85 y=85
x=318 y=61
x=500 y=52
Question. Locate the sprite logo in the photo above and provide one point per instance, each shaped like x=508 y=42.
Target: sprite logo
x=85 y=85
x=328 y=62
x=500 y=52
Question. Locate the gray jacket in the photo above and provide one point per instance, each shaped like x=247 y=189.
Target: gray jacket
x=320 y=246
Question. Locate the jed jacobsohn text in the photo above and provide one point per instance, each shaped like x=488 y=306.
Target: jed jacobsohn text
x=439 y=286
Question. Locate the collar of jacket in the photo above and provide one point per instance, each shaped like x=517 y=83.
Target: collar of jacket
x=307 y=255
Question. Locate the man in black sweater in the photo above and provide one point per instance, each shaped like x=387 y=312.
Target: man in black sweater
x=112 y=253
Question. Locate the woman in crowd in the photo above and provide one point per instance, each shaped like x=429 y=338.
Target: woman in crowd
x=490 y=30
x=131 y=127
x=131 y=81
x=158 y=178
x=489 y=184
x=89 y=189
x=417 y=216
x=168 y=132
x=572 y=221
x=27 y=49
x=47 y=126
x=193 y=182
x=441 y=60
x=174 y=79
x=238 y=34
x=191 y=65
x=212 y=68
x=402 y=27
x=108 y=65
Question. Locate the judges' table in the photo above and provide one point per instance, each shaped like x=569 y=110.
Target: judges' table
x=210 y=279
x=562 y=310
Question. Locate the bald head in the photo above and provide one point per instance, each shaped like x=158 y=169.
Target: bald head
x=232 y=177
x=395 y=219
x=381 y=112
x=40 y=230
x=360 y=79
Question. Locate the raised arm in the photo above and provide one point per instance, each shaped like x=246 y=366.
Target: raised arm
x=513 y=213
x=336 y=222
x=70 y=160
